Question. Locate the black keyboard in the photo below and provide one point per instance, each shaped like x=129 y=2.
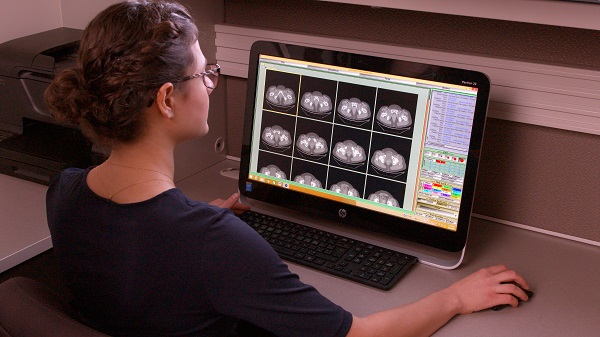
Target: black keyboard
x=335 y=254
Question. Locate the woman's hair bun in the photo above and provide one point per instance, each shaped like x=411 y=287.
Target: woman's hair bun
x=67 y=96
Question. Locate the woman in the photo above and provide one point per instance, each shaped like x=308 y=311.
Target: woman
x=144 y=260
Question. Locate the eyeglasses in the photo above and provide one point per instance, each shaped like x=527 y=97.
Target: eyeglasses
x=210 y=76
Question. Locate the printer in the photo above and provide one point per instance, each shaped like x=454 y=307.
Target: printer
x=32 y=145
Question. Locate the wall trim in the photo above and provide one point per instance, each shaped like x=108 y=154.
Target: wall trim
x=537 y=230
x=546 y=95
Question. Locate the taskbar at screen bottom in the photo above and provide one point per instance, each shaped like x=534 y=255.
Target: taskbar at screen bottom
x=421 y=215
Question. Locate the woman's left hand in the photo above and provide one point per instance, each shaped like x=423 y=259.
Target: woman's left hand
x=233 y=203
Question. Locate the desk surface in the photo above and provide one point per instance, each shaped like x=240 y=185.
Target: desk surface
x=561 y=272
x=23 y=229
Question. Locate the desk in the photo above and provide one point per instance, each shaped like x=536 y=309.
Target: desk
x=563 y=273
x=23 y=229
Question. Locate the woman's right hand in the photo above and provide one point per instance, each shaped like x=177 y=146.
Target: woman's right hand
x=488 y=287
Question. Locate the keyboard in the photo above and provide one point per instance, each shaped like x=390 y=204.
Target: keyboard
x=351 y=259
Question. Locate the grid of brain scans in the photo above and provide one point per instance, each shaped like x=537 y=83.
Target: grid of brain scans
x=347 y=138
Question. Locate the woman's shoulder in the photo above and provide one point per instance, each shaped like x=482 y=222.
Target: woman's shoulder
x=68 y=179
x=73 y=172
x=70 y=176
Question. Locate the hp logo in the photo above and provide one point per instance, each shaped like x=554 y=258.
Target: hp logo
x=342 y=213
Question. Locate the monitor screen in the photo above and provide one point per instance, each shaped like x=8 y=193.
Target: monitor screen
x=385 y=144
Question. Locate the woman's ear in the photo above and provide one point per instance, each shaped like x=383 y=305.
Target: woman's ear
x=164 y=100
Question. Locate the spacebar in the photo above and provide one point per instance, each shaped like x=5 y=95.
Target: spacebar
x=283 y=250
x=290 y=252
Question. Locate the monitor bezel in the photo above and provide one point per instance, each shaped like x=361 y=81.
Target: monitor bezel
x=443 y=239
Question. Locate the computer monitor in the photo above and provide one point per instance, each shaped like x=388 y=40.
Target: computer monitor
x=388 y=145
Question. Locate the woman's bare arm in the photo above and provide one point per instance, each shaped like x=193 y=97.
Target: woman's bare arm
x=480 y=290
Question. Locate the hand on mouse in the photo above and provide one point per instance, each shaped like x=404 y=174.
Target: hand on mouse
x=528 y=292
x=480 y=290
x=487 y=288
x=233 y=203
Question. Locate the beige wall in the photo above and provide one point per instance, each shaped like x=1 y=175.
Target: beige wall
x=530 y=175
x=26 y=17
x=77 y=13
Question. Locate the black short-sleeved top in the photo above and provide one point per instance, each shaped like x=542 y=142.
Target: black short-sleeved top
x=173 y=266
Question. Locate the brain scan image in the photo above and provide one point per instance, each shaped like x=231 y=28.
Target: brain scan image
x=312 y=145
x=345 y=188
x=276 y=138
x=348 y=152
x=273 y=171
x=280 y=97
x=316 y=103
x=394 y=117
x=383 y=197
x=389 y=162
x=354 y=110
x=308 y=179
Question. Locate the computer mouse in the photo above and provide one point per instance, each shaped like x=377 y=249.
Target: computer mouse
x=502 y=306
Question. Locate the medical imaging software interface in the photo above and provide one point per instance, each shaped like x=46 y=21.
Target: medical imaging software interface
x=387 y=143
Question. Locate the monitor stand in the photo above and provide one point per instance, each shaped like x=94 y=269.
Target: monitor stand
x=427 y=255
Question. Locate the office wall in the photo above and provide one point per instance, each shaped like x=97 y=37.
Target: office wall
x=77 y=13
x=26 y=17
x=530 y=175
